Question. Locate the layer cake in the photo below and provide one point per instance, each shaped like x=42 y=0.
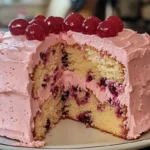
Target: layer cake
x=102 y=81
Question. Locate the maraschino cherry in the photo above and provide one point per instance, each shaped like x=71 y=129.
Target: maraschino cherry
x=53 y=25
x=59 y=19
x=61 y=22
x=117 y=23
x=35 y=32
x=106 y=29
x=89 y=25
x=42 y=24
x=74 y=22
x=18 y=26
x=39 y=17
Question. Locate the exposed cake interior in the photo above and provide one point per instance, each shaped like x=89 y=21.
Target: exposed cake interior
x=84 y=85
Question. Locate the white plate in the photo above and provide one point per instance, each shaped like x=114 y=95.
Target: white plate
x=70 y=134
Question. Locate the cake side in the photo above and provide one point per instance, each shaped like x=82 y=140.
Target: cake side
x=139 y=79
x=15 y=120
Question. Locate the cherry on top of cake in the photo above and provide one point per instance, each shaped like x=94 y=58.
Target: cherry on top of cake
x=40 y=26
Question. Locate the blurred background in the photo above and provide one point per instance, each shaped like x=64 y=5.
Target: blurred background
x=134 y=13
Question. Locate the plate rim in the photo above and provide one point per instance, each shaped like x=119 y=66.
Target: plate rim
x=82 y=146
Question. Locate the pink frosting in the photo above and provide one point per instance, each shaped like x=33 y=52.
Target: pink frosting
x=30 y=144
x=19 y=56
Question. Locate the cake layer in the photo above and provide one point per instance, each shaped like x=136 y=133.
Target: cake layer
x=47 y=72
x=86 y=59
x=50 y=114
x=86 y=96
x=83 y=106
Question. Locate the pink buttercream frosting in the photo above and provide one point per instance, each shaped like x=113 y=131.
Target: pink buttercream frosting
x=30 y=144
x=18 y=57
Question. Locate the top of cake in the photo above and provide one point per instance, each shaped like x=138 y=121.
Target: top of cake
x=26 y=38
x=107 y=35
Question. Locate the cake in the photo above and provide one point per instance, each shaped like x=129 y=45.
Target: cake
x=92 y=71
